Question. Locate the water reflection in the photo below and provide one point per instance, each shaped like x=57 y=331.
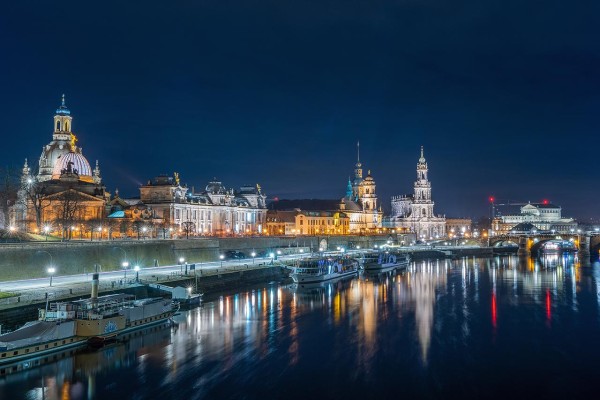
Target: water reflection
x=358 y=332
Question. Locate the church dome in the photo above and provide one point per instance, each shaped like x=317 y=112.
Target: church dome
x=74 y=163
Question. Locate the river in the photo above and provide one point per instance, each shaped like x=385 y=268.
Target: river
x=468 y=328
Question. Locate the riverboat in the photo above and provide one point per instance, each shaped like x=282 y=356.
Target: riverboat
x=386 y=261
x=313 y=270
x=69 y=324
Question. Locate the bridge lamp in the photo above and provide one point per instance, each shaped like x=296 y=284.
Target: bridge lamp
x=278 y=252
x=137 y=273
x=253 y=254
x=357 y=247
x=181 y=260
x=221 y=257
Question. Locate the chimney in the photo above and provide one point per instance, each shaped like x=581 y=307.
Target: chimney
x=95 y=283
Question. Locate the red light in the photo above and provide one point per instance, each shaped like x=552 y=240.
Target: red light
x=545 y=201
x=492 y=199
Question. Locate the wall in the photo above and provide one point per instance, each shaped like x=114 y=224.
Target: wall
x=30 y=260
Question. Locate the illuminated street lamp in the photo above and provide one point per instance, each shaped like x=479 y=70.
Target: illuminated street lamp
x=181 y=260
x=47 y=229
x=137 y=273
x=125 y=265
x=51 y=271
x=253 y=254
x=221 y=257
x=272 y=257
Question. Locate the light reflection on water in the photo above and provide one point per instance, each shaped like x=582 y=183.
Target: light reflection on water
x=429 y=329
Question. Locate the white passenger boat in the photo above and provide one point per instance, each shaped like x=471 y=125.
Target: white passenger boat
x=386 y=261
x=70 y=324
x=323 y=269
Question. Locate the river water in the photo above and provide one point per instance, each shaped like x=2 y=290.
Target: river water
x=468 y=328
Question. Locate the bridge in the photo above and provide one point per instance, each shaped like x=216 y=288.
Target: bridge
x=530 y=243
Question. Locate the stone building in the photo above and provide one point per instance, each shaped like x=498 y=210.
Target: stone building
x=544 y=216
x=360 y=202
x=414 y=213
x=307 y=222
x=65 y=191
x=214 y=211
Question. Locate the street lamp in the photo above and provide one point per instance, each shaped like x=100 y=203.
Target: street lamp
x=181 y=260
x=51 y=271
x=46 y=229
x=221 y=257
x=125 y=265
x=253 y=254
x=272 y=257
x=137 y=273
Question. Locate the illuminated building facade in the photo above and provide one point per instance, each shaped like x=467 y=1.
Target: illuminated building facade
x=304 y=222
x=544 y=216
x=414 y=213
x=214 y=211
x=360 y=202
x=65 y=191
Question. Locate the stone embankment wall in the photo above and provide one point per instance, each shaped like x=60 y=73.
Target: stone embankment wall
x=30 y=260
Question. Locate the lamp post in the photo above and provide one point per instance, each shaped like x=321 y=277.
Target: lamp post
x=46 y=229
x=137 y=273
x=125 y=265
x=272 y=257
x=221 y=257
x=181 y=260
x=253 y=254
x=51 y=271
x=124 y=262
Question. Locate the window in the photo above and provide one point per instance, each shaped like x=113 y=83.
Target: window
x=58 y=125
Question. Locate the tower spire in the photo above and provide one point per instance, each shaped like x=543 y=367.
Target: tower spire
x=358 y=151
x=63 y=100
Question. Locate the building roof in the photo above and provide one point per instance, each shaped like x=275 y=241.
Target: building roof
x=524 y=227
x=306 y=205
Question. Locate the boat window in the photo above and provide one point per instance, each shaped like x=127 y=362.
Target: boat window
x=15 y=353
x=3 y=354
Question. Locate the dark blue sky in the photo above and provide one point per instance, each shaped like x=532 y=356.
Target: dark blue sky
x=504 y=95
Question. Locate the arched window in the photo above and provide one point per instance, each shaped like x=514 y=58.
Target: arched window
x=67 y=126
x=58 y=125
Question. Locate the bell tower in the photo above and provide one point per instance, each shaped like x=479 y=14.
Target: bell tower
x=62 y=122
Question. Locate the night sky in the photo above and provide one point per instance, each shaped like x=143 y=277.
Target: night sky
x=504 y=94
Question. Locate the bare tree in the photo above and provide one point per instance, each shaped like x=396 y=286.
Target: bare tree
x=9 y=187
x=188 y=227
x=67 y=209
x=33 y=195
x=95 y=225
x=138 y=225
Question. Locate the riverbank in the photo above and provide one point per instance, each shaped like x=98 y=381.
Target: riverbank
x=16 y=311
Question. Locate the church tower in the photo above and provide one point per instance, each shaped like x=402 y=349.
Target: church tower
x=358 y=174
x=422 y=204
x=63 y=142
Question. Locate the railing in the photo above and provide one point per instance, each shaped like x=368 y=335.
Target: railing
x=38 y=295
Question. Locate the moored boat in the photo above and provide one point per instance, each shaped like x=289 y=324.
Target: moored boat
x=68 y=324
x=386 y=261
x=314 y=270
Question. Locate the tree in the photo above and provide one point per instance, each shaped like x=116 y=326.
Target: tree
x=138 y=225
x=9 y=187
x=33 y=195
x=67 y=209
x=188 y=227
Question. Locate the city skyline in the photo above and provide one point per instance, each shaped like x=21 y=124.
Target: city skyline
x=250 y=98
